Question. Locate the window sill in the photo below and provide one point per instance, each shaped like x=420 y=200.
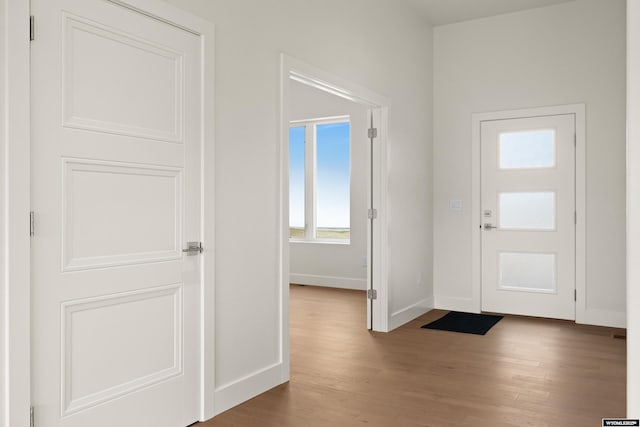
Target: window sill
x=322 y=242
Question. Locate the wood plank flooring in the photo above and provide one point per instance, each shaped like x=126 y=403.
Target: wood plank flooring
x=524 y=372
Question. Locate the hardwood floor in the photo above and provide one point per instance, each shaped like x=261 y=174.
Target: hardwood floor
x=524 y=372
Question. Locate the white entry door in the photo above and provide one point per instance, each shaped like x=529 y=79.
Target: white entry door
x=116 y=192
x=528 y=216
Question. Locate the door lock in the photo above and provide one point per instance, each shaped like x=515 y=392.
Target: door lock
x=193 y=248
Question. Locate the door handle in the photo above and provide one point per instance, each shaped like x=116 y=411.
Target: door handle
x=193 y=248
x=488 y=226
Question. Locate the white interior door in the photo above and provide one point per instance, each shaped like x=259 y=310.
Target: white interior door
x=116 y=191
x=528 y=216
x=375 y=231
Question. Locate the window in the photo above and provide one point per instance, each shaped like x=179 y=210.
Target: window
x=527 y=149
x=319 y=180
x=527 y=211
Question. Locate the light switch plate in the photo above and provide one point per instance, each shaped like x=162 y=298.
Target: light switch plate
x=455 y=204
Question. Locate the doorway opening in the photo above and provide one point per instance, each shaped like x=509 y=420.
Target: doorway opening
x=328 y=185
x=370 y=111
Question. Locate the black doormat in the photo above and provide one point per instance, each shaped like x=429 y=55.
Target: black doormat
x=467 y=323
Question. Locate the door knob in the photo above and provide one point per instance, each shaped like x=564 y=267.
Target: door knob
x=488 y=226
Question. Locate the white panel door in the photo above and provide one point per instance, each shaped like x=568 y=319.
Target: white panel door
x=528 y=216
x=116 y=185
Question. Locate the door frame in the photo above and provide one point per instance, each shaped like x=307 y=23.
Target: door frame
x=15 y=197
x=579 y=111
x=633 y=209
x=302 y=72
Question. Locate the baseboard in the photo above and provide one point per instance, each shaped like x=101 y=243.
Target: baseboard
x=239 y=391
x=328 y=281
x=466 y=305
x=407 y=314
x=610 y=318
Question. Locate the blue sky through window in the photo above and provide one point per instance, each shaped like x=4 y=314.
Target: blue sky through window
x=333 y=175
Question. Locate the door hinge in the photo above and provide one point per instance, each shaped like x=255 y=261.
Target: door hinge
x=372 y=133
x=372 y=213
x=372 y=294
x=32 y=223
x=575 y=217
x=575 y=295
x=575 y=140
x=32 y=417
x=32 y=28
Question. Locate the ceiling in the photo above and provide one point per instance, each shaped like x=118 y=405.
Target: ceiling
x=441 y=12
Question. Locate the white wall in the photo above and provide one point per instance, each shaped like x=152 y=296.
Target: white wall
x=564 y=54
x=633 y=209
x=378 y=44
x=326 y=264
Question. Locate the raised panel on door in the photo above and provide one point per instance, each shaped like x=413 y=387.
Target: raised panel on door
x=124 y=199
x=528 y=212
x=116 y=143
x=89 y=341
x=141 y=82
